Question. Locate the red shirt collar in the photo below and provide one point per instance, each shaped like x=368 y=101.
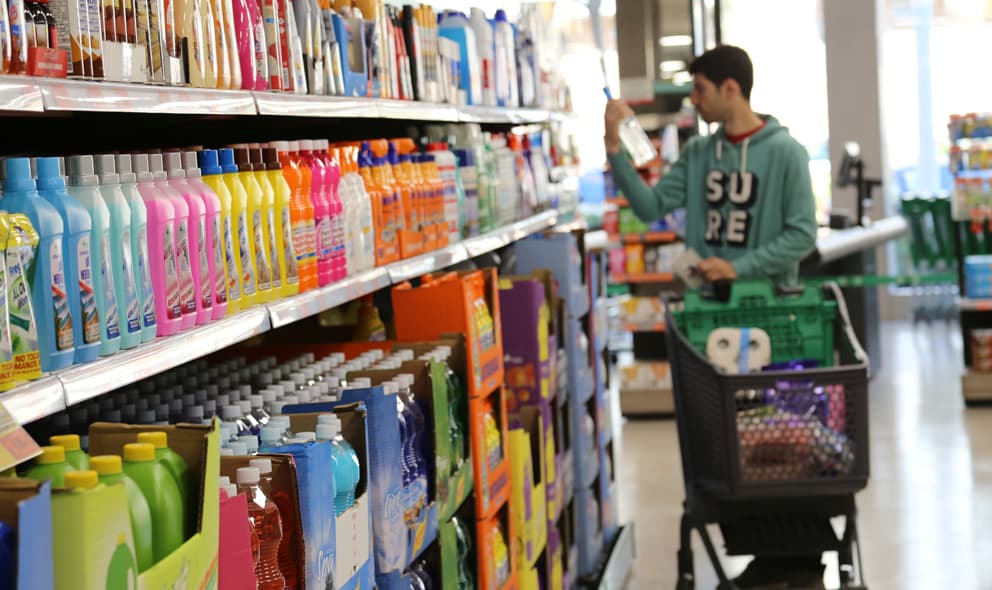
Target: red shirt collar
x=735 y=139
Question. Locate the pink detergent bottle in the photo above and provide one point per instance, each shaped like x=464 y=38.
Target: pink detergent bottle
x=199 y=244
x=187 y=289
x=336 y=206
x=161 y=244
x=321 y=213
x=215 y=240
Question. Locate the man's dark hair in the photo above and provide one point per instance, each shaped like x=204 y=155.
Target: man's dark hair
x=726 y=62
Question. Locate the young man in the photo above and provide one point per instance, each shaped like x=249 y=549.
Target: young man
x=749 y=213
x=746 y=189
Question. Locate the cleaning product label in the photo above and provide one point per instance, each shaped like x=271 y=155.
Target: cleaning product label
x=132 y=306
x=187 y=294
x=247 y=271
x=87 y=297
x=274 y=249
x=6 y=354
x=173 y=303
x=324 y=239
x=23 y=333
x=144 y=275
x=205 y=287
x=60 y=300
x=233 y=281
x=111 y=319
x=220 y=281
x=299 y=240
x=261 y=253
x=289 y=243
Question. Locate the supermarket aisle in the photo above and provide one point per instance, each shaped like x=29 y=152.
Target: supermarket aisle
x=924 y=513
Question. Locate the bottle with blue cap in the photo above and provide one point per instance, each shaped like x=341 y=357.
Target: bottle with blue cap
x=211 y=170
x=139 y=243
x=46 y=273
x=84 y=186
x=76 y=249
x=122 y=263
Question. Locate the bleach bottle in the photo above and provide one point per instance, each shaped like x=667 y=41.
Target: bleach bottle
x=188 y=217
x=454 y=25
x=84 y=186
x=128 y=308
x=507 y=85
x=77 y=249
x=161 y=245
x=48 y=286
x=139 y=245
x=211 y=170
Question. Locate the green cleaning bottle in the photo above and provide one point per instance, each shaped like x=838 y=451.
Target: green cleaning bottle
x=111 y=471
x=178 y=469
x=50 y=465
x=74 y=454
x=122 y=574
x=160 y=490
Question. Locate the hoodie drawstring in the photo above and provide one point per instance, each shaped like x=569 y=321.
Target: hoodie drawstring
x=719 y=148
x=744 y=155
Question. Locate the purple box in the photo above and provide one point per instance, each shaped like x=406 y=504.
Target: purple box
x=528 y=339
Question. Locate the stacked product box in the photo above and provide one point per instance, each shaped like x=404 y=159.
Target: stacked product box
x=530 y=360
x=472 y=304
x=564 y=255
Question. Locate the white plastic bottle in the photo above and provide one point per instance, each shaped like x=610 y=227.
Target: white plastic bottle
x=507 y=86
x=447 y=165
x=484 y=42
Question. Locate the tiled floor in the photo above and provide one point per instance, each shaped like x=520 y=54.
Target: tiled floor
x=926 y=516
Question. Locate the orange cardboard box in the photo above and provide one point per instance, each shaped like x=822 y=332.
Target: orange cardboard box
x=492 y=476
x=490 y=555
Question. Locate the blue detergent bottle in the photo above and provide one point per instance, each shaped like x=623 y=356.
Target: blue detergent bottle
x=122 y=263
x=48 y=286
x=84 y=186
x=129 y=167
x=347 y=470
x=76 y=248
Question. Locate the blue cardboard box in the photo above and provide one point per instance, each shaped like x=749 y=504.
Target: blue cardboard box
x=353 y=549
x=561 y=254
x=26 y=506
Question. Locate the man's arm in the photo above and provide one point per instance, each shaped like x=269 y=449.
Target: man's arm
x=798 y=237
x=649 y=204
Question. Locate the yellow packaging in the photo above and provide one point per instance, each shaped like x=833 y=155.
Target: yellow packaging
x=22 y=241
x=232 y=254
x=244 y=251
x=268 y=218
x=259 y=249
x=284 y=233
x=6 y=352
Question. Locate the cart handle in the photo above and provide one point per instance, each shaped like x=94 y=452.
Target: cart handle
x=859 y=351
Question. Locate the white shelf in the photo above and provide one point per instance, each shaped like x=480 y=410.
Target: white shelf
x=83 y=382
x=302 y=105
x=411 y=268
x=31 y=401
x=417 y=111
x=313 y=302
x=57 y=391
x=20 y=93
x=111 y=97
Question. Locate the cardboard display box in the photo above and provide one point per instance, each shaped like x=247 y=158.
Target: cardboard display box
x=563 y=255
x=26 y=507
x=528 y=330
x=235 y=561
x=492 y=475
x=528 y=499
x=486 y=550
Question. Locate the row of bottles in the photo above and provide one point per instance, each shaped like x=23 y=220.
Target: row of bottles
x=160 y=496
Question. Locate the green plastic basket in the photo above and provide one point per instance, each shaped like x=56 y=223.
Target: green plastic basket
x=800 y=327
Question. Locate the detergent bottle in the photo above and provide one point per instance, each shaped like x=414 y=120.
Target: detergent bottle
x=335 y=208
x=76 y=247
x=110 y=470
x=282 y=224
x=22 y=242
x=212 y=267
x=138 y=245
x=259 y=251
x=7 y=372
x=162 y=494
x=166 y=180
x=374 y=193
x=179 y=471
x=74 y=455
x=46 y=273
x=50 y=465
x=239 y=218
x=161 y=245
x=268 y=219
x=319 y=186
x=195 y=234
x=84 y=186
x=128 y=306
x=213 y=176
x=301 y=214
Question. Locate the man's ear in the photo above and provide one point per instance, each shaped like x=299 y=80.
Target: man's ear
x=730 y=87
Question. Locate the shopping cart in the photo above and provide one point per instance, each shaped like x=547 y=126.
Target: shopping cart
x=771 y=457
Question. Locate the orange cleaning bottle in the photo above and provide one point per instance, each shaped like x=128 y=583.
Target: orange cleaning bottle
x=411 y=240
x=382 y=179
x=301 y=214
x=364 y=159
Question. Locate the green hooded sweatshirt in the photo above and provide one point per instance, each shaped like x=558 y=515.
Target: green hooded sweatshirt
x=751 y=203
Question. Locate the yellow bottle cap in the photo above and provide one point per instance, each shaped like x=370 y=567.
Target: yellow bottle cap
x=81 y=480
x=106 y=464
x=51 y=454
x=69 y=442
x=158 y=439
x=139 y=452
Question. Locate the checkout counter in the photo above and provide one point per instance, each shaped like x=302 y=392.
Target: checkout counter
x=851 y=252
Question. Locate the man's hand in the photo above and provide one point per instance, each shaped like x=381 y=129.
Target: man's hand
x=716 y=269
x=616 y=112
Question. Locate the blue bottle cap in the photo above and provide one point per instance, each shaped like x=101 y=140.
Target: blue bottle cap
x=227 y=164
x=209 y=163
x=501 y=16
x=17 y=175
x=49 y=174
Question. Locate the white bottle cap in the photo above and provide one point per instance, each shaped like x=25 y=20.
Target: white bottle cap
x=290 y=400
x=239 y=448
x=279 y=146
x=405 y=380
x=306 y=144
x=360 y=383
x=308 y=357
x=256 y=401
x=232 y=490
x=264 y=466
x=248 y=475
x=230 y=412
x=250 y=441
x=405 y=354
x=391 y=388
x=226 y=452
x=224 y=480
x=272 y=434
x=326 y=431
x=245 y=406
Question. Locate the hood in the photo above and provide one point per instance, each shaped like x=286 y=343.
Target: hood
x=771 y=128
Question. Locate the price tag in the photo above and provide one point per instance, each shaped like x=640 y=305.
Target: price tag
x=16 y=445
